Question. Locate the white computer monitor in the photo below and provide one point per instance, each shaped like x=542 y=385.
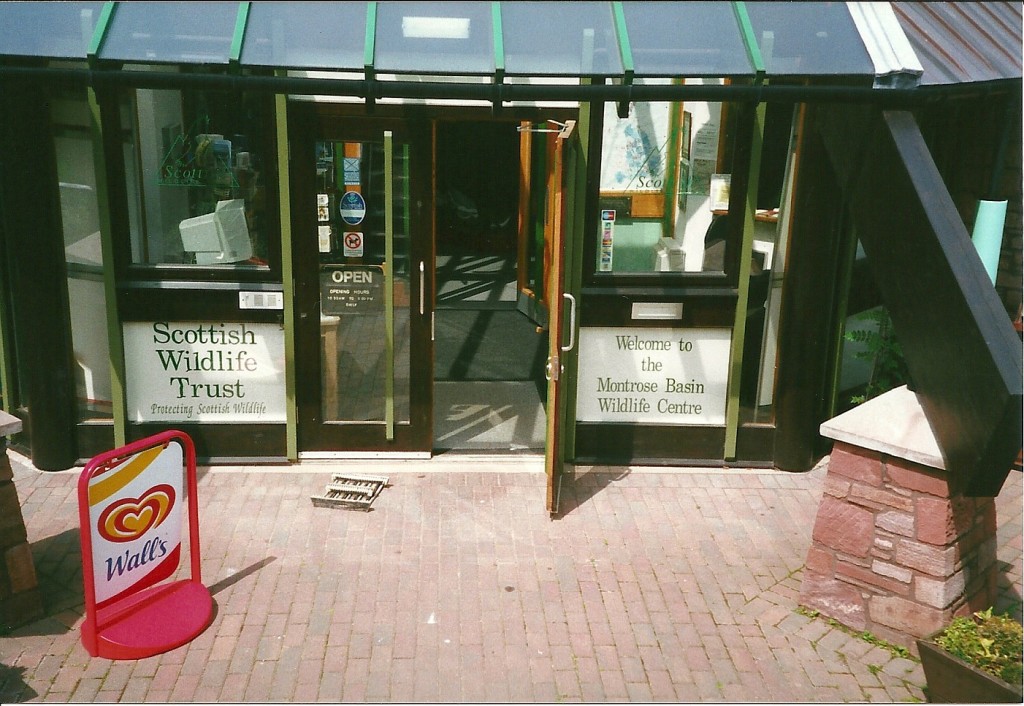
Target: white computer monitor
x=219 y=237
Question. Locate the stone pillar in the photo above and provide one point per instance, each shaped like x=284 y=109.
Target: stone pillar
x=896 y=550
x=20 y=598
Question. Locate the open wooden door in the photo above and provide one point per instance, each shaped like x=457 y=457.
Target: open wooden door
x=536 y=191
x=561 y=322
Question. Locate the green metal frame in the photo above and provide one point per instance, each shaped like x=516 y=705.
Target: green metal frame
x=625 y=53
x=99 y=34
x=389 y=287
x=625 y=48
x=749 y=39
x=498 y=34
x=370 y=38
x=370 y=50
x=115 y=339
x=238 y=39
x=732 y=404
x=287 y=275
x=739 y=328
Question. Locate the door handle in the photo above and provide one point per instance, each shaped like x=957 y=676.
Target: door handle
x=422 y=287
x=572 y=322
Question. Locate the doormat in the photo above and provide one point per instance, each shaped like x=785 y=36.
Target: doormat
x=487 y=345
x=346 y=491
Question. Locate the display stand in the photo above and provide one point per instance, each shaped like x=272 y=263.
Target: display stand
x=130 y=511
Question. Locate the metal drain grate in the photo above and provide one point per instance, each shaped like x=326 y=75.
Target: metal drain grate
x=350 y=491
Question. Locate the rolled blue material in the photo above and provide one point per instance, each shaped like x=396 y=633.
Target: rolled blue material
x=988 y=234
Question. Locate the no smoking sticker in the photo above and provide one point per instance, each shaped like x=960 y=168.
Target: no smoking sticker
x=353 y=244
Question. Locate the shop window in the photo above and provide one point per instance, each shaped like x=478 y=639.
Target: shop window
x=871 y=359
x=204 y=180
x=76 y=176
x=768 y=263
x=664 y=192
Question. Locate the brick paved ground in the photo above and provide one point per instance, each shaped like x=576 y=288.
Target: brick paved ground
x=653 y=586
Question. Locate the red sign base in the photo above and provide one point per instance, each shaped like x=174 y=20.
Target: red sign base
x=151 y=621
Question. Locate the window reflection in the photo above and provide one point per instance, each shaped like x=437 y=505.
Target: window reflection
x=83 y=253
x=203 y=181
x=171 y=32
x=665 y=177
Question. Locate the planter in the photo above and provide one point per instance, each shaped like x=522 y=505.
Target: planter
x=952 y=680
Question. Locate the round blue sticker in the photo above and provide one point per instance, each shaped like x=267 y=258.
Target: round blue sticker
x=352 y=208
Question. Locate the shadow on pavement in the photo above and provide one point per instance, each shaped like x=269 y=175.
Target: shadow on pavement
x=13 y=688
x=239 y=575
x=58 y=566
x=584 y=486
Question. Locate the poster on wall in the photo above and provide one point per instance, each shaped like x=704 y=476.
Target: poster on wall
x=634 y=148
x=209 y=372
x=675 y=376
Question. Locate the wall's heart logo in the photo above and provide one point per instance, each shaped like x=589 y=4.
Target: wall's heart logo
x=130 y=518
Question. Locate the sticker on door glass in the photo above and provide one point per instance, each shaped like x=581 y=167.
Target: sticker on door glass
x=324 y=238
x=323 y=212
x=607 y=240
x=352 y=208
x=353 y=244
x=350 y=169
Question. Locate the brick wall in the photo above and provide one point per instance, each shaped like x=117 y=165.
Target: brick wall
x=20 y=598
x=895 y=551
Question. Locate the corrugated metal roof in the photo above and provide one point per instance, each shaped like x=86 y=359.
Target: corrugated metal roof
x=964 y=42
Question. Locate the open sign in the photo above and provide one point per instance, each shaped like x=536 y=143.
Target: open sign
x=351 y=289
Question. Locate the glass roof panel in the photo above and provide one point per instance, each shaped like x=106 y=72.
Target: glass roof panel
x=809 y=38
x=178 y=32
x=321 y=35
x=560 y=38
x=685 y=39
x=434 y=37
x=60 y=30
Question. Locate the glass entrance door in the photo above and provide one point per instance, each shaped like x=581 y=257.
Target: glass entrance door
x=361 y=241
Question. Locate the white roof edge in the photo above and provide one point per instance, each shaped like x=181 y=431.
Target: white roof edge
x=896 y=64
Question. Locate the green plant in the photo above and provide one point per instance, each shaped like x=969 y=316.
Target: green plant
x=882 y=349
x=992 y=643
x=894 y=650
